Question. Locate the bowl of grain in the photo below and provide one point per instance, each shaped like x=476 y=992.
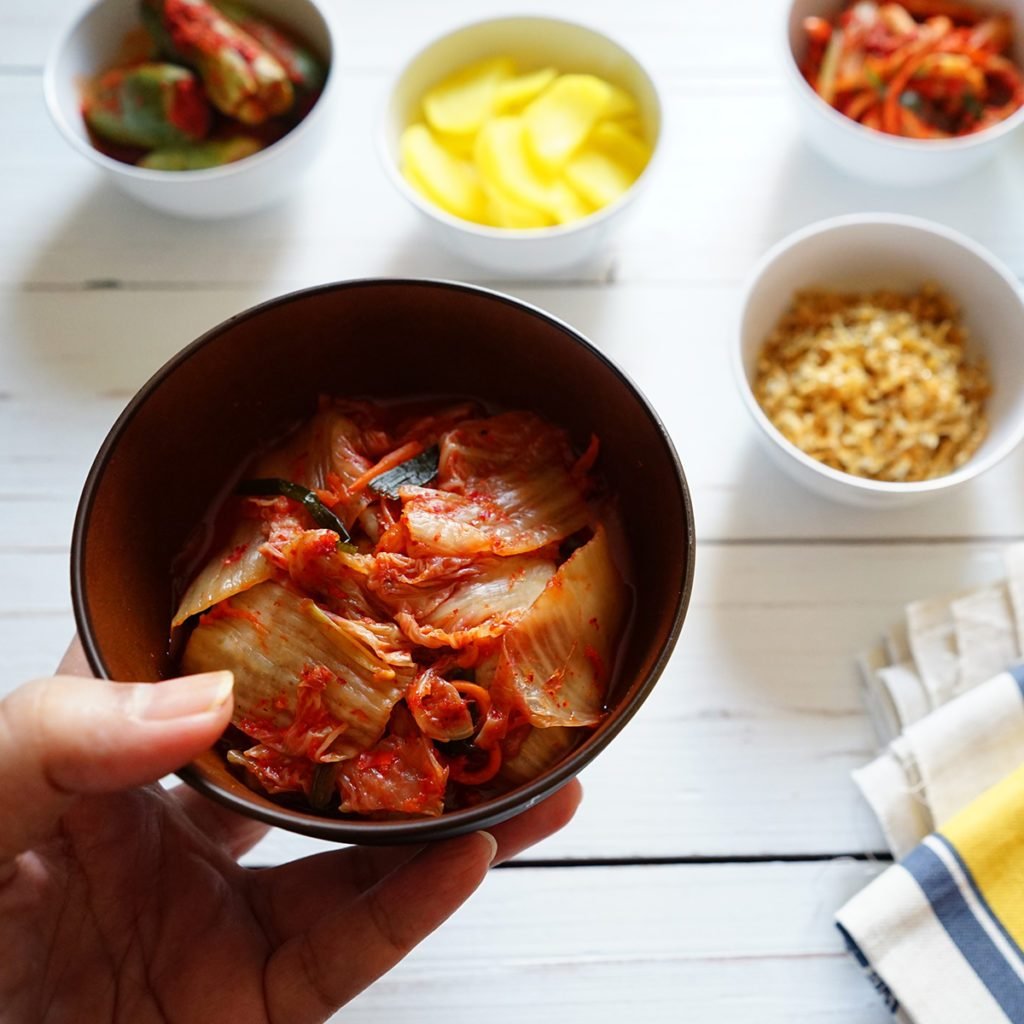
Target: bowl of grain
x=882 y=358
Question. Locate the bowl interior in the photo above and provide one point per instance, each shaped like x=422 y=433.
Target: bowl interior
x=188 y=433
x=902 y=256
x=95 y=42
x=534 y=43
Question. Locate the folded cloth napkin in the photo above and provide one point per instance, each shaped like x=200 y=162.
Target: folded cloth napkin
x=949 y=728
x=944 y=648
x=942 y=762
x=941 y=934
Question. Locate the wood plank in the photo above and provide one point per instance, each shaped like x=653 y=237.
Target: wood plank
x=69 y=367
x=745 y=746
x=724 y=944
x=33 y=644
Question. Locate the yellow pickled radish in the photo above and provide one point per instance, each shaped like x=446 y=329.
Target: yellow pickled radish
x=452 y=183
x=597 y=177
x=633 y=125
x=502 y=159
x=620 y=104
x=567 y=204
x=621 y=145
x=560 y=119
x=460 y=146
x=527 y=150
x=502 y=211
x=459 y=104
x=512 y=95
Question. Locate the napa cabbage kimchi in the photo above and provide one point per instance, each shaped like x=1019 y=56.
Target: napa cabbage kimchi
x=421 y=607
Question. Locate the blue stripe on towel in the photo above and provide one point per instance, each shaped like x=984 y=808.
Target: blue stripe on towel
x=1000 y=927
x=877 y=981
x=1017 y=671
x=964 y=929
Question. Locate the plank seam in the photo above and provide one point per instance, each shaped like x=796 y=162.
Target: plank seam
x=866 y=857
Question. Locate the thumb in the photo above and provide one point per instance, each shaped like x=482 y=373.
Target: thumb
x=64 y=737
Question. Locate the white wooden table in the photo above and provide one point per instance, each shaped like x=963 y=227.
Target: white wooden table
x=721 y=831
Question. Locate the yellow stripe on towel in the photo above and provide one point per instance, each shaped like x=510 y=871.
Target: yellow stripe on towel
x=989 y=837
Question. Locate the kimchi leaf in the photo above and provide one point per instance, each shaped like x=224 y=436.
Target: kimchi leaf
x=306 y=684
x=504 y=486
x=275 y=772
x=236 y=567
x=542 y=749
x=556 y=661
x=400 y=775
x=415 y=472
x=455 y=602
x=331 y=445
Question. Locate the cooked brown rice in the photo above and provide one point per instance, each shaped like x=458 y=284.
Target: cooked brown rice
x=876 y=384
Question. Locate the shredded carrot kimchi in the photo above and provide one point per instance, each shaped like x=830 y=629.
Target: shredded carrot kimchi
x=921 y=69
x=421 y=606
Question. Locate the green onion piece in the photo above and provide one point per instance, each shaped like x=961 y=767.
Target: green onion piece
x=414 y=472
x=973 y=105
x=830 y=67
x=323 y=787
x=319 y=512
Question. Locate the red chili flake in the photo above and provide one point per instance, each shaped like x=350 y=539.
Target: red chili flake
x=316 y=677
x=225 y=610
x=593 y=622
x=198 y=26
x=235 y=555
x=376 y=760
x=188 y=110
x=555 y=681
x=260 y=729
x=326 y=544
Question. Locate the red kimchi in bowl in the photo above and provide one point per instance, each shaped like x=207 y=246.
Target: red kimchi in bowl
x=421 y=605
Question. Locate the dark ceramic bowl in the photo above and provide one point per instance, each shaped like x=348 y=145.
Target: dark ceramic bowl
x=200 y=418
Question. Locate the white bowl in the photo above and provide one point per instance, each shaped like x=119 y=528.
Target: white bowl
x=534 y=42
x=874 y=155
x=867 y=251
x=91 y=42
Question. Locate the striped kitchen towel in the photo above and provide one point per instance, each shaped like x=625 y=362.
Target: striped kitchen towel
x=941 y=933
x=945 y=760
x=944 y=648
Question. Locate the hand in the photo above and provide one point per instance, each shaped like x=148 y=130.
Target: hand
x=127 y=904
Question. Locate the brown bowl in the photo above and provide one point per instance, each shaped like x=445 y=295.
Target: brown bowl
x=200 y=418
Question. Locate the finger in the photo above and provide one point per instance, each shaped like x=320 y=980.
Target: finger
x=519 y=833
x=234 y=833
x=65 y=736
x=315 y=972
x=74 y=662
x=292 y=896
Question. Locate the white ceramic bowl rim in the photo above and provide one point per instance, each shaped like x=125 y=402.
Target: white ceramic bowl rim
x=861 y=131
x=53 y=62
x=970 y=469
x=515 y=234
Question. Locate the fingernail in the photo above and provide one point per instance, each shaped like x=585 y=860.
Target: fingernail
x=492 y=842
x=181 y=698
